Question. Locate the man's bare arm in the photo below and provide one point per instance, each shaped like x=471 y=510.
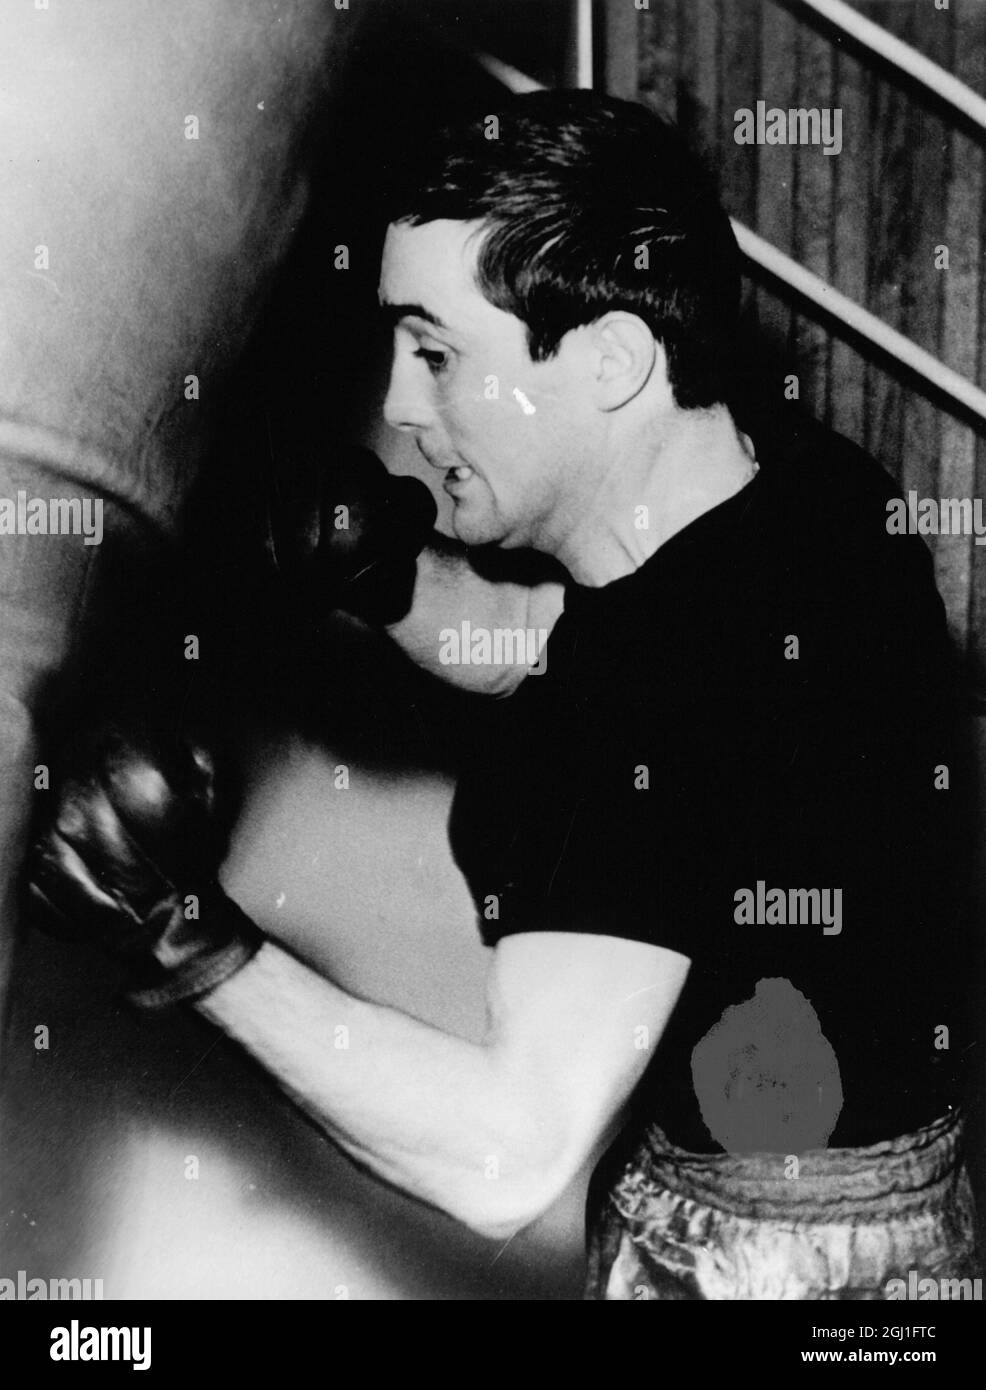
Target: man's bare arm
x=450 y=590
x=491 y=1133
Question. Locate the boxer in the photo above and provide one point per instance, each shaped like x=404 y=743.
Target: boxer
x=749 y=681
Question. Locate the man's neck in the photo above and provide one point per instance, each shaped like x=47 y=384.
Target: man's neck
x=655 y=489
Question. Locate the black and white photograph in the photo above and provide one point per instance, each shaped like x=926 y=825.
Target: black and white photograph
x=492 y=663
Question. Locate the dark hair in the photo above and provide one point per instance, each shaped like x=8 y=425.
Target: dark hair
x=572 y=189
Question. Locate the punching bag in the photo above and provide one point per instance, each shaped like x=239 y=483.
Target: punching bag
x=151 y=176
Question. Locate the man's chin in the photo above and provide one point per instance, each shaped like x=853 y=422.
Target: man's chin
x=477 y=530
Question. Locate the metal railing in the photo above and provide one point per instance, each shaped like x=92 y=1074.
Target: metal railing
x=902 y=56
x=942 y=379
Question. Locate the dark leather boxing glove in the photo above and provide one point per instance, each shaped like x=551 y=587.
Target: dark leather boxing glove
x=135 y=836
x=349 y=536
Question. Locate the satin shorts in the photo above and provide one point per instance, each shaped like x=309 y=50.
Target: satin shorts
x=831 y=1224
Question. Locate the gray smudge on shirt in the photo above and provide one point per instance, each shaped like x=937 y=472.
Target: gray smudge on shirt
x=766 y=1077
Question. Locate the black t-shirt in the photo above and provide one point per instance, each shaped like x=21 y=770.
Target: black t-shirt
x=762 y=705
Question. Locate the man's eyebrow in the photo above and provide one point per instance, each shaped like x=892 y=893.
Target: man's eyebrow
x=393 y=313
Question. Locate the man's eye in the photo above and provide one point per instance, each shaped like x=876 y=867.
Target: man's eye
x=436 y=360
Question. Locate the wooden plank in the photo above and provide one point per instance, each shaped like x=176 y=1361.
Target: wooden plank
x=698 y=101
x=977 y=595
x=775 y=181
x=850 y=239
x=923 y=302
x=814 y=172
x=963 y=236
x=739 y=86
x=971 y=43
x=889 y=196
x=622 y=49
x=658 y=57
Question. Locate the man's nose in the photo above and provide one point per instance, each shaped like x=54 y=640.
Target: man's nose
x=405 y=406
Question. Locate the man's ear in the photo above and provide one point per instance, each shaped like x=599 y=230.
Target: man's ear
x=625 y=358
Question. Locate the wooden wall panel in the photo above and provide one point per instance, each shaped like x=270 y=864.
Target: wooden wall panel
x=814 y=174
x=850 y=231
x=658 y=62
x=923 y=293
x=962 y=218
x=888 y=157
x=739 y=85
x=774 y=217
x=868 y=220
x=698 y=89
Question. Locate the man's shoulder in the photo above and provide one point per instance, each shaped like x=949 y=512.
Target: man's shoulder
x=805 y=456
x=837 y=506
x=812 y=464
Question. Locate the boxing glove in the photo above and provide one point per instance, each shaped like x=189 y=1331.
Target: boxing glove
x=349 y=536
x=128 y=864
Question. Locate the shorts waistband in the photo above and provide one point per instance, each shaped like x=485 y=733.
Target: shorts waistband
x=893 y=1178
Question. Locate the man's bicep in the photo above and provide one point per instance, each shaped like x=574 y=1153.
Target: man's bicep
x=574 y=1019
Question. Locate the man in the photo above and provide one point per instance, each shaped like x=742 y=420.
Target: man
x=707 y=847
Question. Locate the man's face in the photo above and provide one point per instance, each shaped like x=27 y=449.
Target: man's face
x=511 y=435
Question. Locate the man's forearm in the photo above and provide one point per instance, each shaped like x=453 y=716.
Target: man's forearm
x=447 y=1120
x=450 y=591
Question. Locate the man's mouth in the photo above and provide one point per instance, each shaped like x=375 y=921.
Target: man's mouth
x=455 y=477
x=458 y=479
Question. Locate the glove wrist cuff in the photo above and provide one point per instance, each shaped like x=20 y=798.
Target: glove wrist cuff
x=227 y=942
